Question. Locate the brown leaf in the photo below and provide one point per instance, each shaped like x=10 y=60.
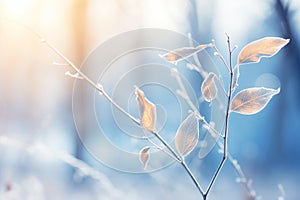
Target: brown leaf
x=144 y=156
x=187 y=135
x=147 y=111
x=182 y=53
x=208 y=88
x=252 y=100
x=265 y=47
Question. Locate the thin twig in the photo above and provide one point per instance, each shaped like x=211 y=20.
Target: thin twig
x=105 y=95
x=222 y=86
x=98 y=87
x=120 y=108
x=217 y=53
x=182 y=90
x=182 y=162
x=187 y=169
x=160 y=148
x=214 y=132
x=198 y=67
x=225 y=137
x=173 y=152
x=183 y=93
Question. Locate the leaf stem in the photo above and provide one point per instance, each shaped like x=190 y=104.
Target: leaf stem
x=215 y=175
x=120 y=108
x=98 y=87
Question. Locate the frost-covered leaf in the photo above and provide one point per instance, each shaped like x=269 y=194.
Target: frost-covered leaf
x=182 y=53
x=187 y=135
x=265 y=47
x=252 y=100
x=208 y=88
x=144 y=156
x=147 y=111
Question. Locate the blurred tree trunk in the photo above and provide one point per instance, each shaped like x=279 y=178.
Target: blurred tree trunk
x=200 y=20
x=289 y=74
x=193 y=20
x=78 y=19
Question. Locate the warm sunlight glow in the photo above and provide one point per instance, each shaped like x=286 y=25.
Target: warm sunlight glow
x=15 y=8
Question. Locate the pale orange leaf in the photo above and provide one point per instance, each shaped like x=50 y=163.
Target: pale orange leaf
x=144 y=156
x=187 y=135
x=252 y=100
x=182 y=53
x=208 y=88
x=265 y=47
x=147 y=111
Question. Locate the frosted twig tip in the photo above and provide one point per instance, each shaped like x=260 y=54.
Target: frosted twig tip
x=100 y=88
x=76 y=75
x=174 y=72
x=60 y=64
x=43 y=40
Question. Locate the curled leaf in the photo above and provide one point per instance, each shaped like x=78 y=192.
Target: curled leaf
x=208 y=88
x=144 y=156
x=182 y=53
x=252 y=100
x=147 y=111
x=187 y=135
x=265 y=47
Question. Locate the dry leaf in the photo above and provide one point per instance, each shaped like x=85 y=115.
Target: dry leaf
x=187 y=135
x=252 y=100
x=265 y=47
x=208 y=88
x=147 y=111
x=144 y=156
x=182 y=53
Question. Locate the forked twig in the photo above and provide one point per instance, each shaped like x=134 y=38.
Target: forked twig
x=215 y=134
x=233 y=83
